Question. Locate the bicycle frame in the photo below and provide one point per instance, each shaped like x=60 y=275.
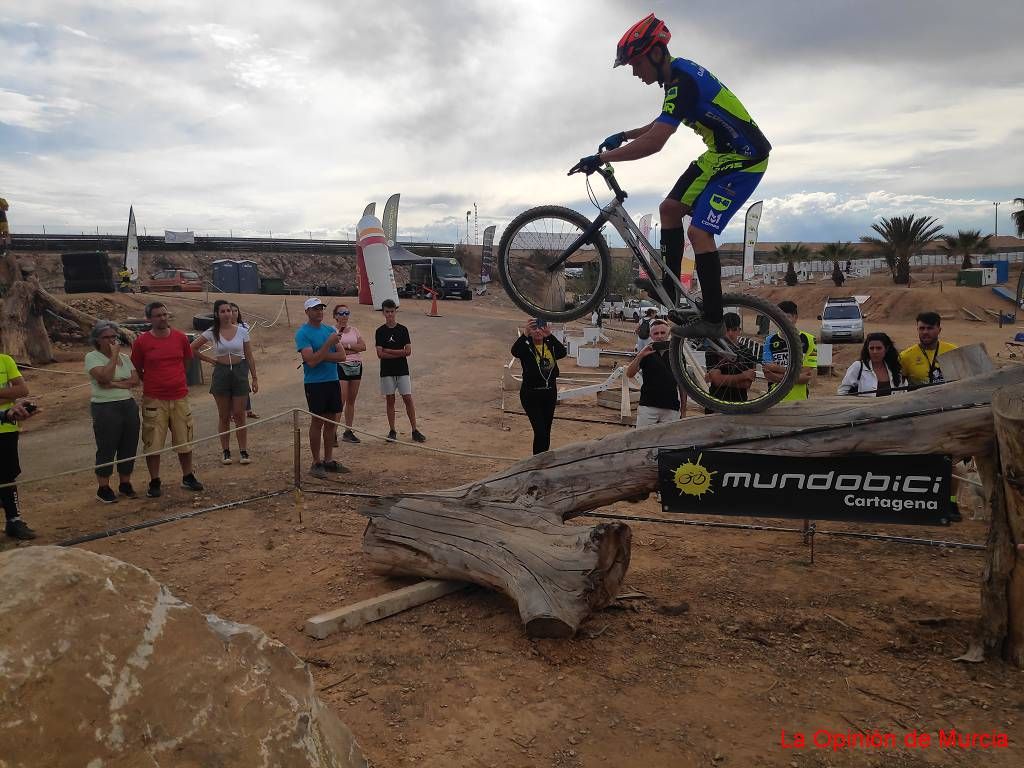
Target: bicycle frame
x=643 y=251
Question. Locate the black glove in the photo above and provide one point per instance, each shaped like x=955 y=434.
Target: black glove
x=587 y=164
x=613 y=142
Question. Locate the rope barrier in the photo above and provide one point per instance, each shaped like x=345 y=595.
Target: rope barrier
x=163 y=520
x=782 y=529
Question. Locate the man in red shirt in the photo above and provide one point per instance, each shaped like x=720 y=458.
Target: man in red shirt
x=160 y=355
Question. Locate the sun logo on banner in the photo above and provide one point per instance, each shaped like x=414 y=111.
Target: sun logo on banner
x=693 y=479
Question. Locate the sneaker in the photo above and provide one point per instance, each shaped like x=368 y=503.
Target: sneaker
x=190 y=483
x=125 y=489
x=251 y=415
x=154 y=489
x=106 y=494
x=350 y=437
x=227 y=457
x=318 y=471
x=334 y=466
x=700 y=329
x=392 y=435
x=418 y=436
x=244 y=457
x=18 y=529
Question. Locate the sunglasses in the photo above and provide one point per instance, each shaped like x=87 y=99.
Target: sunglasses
x=342 y=314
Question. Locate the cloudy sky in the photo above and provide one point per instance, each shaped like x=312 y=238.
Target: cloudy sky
x=289 y=117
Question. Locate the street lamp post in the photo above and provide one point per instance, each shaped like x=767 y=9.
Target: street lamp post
x=467 y=226
x=997 y=219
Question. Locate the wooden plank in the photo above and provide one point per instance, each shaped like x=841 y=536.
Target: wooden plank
x=380 y=607
x=971 y=315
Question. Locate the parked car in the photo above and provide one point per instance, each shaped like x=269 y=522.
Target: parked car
x=613 y=306
x=643 y=305
x=173 y=280
x=842 y=321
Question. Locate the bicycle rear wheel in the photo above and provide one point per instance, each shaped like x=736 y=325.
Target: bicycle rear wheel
x=534 y=241
x=712 y=376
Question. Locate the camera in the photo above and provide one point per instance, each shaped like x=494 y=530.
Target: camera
x=7 y=418
x=540 y=323
x=659 y=346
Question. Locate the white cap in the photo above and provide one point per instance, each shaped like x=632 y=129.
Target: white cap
x=312 y=302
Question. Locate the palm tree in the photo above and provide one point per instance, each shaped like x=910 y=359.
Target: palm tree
x=964 y=243
x=789 y=253
x=837 y=252
x=1018 y=216
x=901 y=237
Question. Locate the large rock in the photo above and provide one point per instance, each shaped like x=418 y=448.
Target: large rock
x=102 y=667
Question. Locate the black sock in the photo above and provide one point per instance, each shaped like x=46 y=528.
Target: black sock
x=672 y=242
x=709 y=272
x=9 y=500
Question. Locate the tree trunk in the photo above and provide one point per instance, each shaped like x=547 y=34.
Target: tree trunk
x=24 y=334
x=506 y=531
x=1007 y=561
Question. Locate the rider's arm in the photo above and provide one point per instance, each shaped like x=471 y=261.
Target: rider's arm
x=646 y=144
x=638 y=132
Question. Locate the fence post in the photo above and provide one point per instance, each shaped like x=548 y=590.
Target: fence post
x=297 y=449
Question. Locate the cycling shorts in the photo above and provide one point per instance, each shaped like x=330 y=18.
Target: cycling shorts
x=716 y=185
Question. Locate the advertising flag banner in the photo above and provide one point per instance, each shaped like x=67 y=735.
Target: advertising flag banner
x=689 y=262
x=390 y=220
x=370 y=209
x=908 y=489
x=131 y=248
x=487 y=255
x=645 y=225
x=750 y=238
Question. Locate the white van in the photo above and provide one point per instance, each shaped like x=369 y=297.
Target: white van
x=841 y=321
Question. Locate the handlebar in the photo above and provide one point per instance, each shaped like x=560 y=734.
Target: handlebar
x=607 y=172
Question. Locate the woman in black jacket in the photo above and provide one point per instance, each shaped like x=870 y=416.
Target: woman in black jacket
x=538 y=352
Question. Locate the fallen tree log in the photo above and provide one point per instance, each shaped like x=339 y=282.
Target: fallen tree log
x=507 y=531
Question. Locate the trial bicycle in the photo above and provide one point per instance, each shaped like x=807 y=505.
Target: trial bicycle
x=555 y=264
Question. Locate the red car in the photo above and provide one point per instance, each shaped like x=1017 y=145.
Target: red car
x=173 y=280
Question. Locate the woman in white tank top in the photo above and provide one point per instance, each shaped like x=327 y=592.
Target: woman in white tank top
x=232 y=361
x=350 y=372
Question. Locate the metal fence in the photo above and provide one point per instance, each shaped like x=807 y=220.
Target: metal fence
x=824 y=266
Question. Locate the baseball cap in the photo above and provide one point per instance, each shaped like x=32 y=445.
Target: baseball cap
x=313 y=302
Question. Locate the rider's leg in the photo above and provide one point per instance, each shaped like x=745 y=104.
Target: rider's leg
x=709 y=272
x=672 y=243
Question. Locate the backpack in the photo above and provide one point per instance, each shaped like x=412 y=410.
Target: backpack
x=644 y=331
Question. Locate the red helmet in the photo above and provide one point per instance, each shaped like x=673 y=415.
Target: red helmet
x=640 y=38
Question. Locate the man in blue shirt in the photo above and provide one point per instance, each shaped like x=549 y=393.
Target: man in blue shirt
x=716 y=185
x=318 y=345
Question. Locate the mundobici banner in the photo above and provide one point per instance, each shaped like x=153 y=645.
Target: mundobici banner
x=904 y=489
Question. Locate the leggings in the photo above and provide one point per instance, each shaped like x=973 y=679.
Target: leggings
x=9 y=471
x=116 y=427
x=539 y=405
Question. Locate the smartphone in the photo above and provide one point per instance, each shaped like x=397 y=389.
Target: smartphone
x=540 y=323
x=30 y=407
x=660 y=346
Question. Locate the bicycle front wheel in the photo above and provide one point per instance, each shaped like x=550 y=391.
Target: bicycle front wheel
x=536 y=240
x=750 y=370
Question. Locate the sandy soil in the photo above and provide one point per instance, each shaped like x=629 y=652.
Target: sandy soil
x=737 y=636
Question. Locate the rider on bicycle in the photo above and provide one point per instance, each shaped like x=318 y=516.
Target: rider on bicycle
x=716 y=185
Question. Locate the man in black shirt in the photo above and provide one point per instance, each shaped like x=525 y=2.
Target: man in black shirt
x=394 y=346
x=731 y=379
x=661 y=400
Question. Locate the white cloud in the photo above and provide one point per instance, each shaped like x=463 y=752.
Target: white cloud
x=35 y=113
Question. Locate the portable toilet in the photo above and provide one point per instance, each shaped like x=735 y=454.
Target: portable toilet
x=225 y=275
x=988 y=275
x=1002 y=268
x=969 y=277
x=248 y=277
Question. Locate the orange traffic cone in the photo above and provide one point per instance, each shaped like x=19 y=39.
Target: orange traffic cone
x=433 y=307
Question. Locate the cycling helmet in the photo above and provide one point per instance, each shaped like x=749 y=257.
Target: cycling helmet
x=640 y=38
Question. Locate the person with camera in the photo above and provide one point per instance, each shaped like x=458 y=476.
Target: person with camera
x=115 y=415
x=12 y=413
x=661 y=400
x=538 y=352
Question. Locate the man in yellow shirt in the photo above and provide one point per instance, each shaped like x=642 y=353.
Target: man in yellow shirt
x=12 y=412
x=920 y=362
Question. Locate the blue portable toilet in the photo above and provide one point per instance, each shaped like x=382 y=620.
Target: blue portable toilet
x=248 y=277
x=225 y=275
x=1002 y=268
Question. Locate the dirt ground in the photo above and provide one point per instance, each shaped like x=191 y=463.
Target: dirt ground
x=737 y=643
